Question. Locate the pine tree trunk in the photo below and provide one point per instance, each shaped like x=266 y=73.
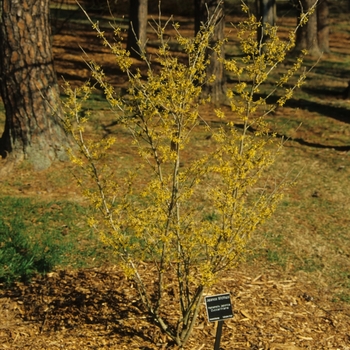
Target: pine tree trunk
x=137 y=33
x=28 y=86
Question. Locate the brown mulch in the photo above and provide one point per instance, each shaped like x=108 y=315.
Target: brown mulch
x=99 y=309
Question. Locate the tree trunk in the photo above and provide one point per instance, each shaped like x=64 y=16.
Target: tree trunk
x=346 y=92
x=204 y=9
x=307 y=34
x=29 y=89
x=323 y=25
x=266 y=13
x=200 y=15
x=137 y=33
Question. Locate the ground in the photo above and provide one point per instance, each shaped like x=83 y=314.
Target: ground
x=98 y=309
x=274 y=306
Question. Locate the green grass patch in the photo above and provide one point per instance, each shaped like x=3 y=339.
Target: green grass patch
x=37 y=237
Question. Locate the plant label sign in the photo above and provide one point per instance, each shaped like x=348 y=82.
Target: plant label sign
x=219 y=307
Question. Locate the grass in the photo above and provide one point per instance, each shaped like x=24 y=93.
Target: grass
x=308 y=235
x=37 y=236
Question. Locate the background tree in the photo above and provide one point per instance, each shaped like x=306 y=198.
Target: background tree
x=204 y=10
x=137 y=33
x=323 y=25
x=266 y=13
x=28 y=86
x=307 y=38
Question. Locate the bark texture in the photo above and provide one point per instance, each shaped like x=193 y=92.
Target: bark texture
x=266 y=10
x=323 y=25
x=204 y=10
x=28 y=86
x=307 y=34
x=137 y=33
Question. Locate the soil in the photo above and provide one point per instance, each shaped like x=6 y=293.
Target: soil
x=99 y=308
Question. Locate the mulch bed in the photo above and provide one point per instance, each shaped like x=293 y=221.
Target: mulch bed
x=99 y=309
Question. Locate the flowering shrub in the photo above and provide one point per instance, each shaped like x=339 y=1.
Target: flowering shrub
x=189 y=219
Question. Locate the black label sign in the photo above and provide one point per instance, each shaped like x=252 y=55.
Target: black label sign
x=219 y=307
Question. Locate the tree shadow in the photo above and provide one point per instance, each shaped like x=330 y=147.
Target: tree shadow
x=298 y=140
x=318 y=145
x=66 y=300
x=341 y=114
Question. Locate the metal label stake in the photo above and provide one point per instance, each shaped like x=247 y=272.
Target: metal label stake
x=219 y=308
x=218 y=335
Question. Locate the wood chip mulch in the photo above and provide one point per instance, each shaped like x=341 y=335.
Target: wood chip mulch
x=99 y=309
